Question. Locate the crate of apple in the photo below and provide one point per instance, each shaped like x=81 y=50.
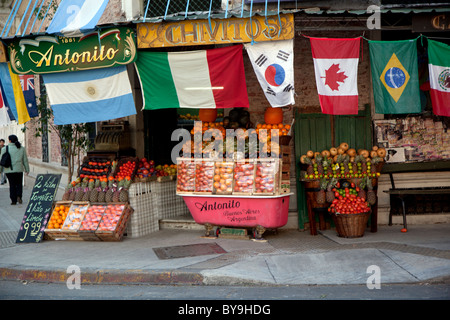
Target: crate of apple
x=166 y=170
x=347 y=201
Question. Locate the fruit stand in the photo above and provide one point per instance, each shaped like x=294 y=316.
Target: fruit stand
x=343 y=182
x=247 y=187
x=112 y=197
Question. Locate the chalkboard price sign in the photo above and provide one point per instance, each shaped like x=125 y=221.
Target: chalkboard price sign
x=39 y=208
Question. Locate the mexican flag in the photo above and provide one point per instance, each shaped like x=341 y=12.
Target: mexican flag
x=212 y=78
x=336 y=69
x=439 y=71
x=395 y=76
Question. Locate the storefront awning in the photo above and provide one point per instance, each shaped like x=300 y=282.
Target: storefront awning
x=69 y=18
x=76 y=17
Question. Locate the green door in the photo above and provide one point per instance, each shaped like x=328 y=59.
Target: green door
x=315 y=132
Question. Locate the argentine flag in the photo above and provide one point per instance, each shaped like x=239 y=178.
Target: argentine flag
x=76 y=17
x=90 y=96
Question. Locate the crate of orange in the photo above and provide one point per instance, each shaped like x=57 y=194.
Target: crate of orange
x=114 y=222
x=59 y=213
x=75 y=216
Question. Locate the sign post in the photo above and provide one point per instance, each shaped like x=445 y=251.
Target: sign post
x=39 y=208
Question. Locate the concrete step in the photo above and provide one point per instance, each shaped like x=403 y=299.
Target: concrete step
x=185 y=223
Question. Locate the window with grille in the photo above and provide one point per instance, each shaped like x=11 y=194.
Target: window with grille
x=157 y=8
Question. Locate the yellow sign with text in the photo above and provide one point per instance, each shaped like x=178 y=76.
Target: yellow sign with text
x=219 y=31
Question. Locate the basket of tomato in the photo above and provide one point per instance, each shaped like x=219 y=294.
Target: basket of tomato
x=350 y=214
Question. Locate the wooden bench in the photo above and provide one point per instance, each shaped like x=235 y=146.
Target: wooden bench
x=403 y=193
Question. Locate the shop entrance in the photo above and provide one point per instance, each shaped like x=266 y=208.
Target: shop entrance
x=317 y=131
x=158 y=127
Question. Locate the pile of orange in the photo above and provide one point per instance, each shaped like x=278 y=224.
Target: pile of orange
x=58 y=217
x=203 y=126
x=283 y=128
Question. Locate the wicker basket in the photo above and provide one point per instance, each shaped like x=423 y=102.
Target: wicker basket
x=350 y=225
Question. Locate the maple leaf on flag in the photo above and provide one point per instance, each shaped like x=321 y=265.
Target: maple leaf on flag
x=332 y=77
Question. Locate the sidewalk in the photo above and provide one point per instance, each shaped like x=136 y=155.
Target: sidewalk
x=289 y=257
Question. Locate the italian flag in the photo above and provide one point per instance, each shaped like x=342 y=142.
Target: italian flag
x=193 y=79
x=336 y=69
x=439 y=71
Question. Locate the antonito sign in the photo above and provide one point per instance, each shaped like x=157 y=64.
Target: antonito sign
x=216 y=31
x=49 y=53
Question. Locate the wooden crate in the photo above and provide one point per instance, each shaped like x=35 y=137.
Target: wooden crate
x=53 y=234
x=89 y=234
x=96 y=158
x=120 y=227
x=69 y=230
x=125 y=160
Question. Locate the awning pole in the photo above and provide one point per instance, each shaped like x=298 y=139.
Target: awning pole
x=226 y=10
x=187 y=9
x=9 y=17
x=146 y=10
x=45 y=16
x=209 y=16
x=29 y=18
x=23 y=18
x=37 y=15
x=19 y=2
x=167 y=9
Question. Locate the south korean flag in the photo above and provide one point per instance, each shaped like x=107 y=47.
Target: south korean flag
x=273 y=62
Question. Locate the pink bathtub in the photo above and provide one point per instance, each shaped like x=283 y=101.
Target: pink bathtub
x=257 y=212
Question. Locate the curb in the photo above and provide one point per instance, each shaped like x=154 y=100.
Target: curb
x=105 y=276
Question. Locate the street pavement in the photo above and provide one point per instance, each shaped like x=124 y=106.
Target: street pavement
x=286 y=257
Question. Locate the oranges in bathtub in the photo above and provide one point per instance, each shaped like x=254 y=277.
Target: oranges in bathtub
x=223 y=177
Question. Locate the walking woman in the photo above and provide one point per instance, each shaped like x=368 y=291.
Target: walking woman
x=19 y=165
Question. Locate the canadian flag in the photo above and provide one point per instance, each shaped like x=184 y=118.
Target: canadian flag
x=336 y=69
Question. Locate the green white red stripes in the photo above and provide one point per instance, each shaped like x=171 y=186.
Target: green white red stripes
x=439 y=71
x=193 y=79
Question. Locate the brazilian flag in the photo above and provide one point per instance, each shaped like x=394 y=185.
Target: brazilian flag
x=395 y=76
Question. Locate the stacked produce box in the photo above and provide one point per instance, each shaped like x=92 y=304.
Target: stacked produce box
x=239 y=177
x=88 y=221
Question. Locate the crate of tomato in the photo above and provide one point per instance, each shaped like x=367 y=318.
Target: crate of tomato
x=126 y=167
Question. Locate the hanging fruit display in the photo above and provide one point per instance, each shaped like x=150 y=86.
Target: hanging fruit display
x=343 y=162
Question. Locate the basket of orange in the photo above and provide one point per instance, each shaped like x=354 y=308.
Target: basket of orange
x=56 y=221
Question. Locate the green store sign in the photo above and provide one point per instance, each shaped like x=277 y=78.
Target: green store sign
x=49 y=54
